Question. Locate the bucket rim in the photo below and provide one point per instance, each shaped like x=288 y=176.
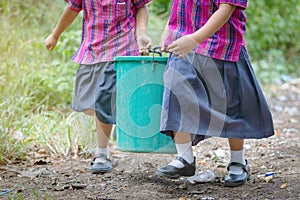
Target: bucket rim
x=140 y=58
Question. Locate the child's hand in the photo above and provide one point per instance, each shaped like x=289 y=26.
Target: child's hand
x=183 y=46
x=51 y=42
x=144 y=43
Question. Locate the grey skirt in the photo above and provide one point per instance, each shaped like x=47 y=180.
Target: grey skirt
x=209 y=97
x=94 y=90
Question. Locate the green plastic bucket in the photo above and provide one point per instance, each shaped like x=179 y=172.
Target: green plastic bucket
x=139 y=93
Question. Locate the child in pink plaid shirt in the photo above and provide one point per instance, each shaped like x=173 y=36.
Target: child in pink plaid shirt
x=109 y=28
x=210 y=86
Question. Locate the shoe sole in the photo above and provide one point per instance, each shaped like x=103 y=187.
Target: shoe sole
x=171 y=177
x=99 y=171
x=236 y=184
x=166 y=175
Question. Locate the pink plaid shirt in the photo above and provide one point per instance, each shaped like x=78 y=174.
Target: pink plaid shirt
x=187 y=16
x=108 y=29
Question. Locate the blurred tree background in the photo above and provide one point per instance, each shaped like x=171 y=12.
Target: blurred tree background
x=36 y=86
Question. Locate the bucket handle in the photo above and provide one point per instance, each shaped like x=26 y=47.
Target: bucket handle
x=155 y=50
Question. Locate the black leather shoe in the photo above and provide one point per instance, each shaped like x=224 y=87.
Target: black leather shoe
x=174 y=172
x=233 y=180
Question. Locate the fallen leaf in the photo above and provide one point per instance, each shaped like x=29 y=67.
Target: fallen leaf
x=284 y=185
x=293 y=121
x=207 y=198
x=197 y=192
x=42 y=151
x=268 y=179
x=201 y=162
x=78 y=186
x=56 y=188
x=277 y=133
x=183 y=186
x=41 y=162
x=183 y=198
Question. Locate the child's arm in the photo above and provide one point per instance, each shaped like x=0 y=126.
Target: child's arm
x=163 y=38
x=144 y=42
x=66 y=19
x=186 y=44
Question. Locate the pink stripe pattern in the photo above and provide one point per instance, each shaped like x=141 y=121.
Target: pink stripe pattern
x=108 y=29
x=187 y=16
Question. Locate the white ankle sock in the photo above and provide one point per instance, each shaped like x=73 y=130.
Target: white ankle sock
x=101 y=151
x=237 y=156
x=104 y=151
x=186 y=152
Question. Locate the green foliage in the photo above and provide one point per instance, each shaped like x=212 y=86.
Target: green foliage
x=35 y=85
x=273 y=25
x=11 y=149
x=160 y=7
x=272 y=67
x=273 y=36
x=159 y=15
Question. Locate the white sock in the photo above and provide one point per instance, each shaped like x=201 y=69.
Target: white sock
x=237 y=156
x=101 y=151
x=104 y=151
x=186 y=152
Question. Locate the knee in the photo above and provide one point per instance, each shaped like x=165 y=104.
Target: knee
x=89 y=112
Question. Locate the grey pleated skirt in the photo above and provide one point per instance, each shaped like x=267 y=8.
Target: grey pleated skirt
x=94 y=90
x=209 y=97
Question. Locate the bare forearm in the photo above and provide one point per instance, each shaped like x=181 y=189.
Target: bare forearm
x=215 y=22
x=142 y=17
x=64 y=22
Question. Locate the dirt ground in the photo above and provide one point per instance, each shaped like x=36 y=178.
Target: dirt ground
x=134 y=178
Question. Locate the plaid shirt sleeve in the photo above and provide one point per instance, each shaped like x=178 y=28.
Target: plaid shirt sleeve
x=74 y=5
x=242 y=4
x=140 y=3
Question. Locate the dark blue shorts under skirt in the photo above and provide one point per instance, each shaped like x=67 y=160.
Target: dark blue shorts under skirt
x=210 y=97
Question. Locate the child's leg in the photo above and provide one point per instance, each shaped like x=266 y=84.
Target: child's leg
x=236 y=144
x=184 y=149
x=103 y=135
x=239 y=170
x=236 y=154
x=103 y=162
x=184 y=162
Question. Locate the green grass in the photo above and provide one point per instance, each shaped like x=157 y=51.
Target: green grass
x=36 y=85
